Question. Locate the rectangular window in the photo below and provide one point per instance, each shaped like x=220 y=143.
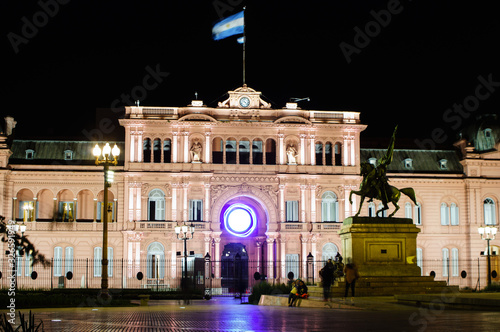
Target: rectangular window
x=292 y=210
x=292 y=265
x=196 y=210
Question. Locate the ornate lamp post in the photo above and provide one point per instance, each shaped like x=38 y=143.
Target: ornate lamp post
x=106 y=161
x=183 y=234
x=488 y=233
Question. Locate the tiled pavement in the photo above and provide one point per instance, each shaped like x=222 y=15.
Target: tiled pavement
x=227 y=315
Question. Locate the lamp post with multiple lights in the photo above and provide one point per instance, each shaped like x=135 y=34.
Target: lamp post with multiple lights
x=183 y=233
x=106 y=161
x=488 y=233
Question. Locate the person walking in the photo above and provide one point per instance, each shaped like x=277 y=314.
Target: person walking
x=327 y=273
x=351 y=275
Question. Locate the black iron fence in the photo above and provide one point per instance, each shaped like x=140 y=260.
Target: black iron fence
x=224 y=277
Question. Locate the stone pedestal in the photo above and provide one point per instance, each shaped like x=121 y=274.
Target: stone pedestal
x=380 y=247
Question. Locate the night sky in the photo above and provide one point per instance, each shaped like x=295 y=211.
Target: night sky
x=412 y=61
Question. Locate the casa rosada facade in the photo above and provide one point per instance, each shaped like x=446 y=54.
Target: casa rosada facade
x=269 y=184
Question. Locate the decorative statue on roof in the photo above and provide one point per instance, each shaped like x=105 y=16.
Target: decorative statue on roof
x=375 y=184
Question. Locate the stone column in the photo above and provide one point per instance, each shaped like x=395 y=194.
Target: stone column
x=186 y=146
x=282 y=202
x=281 y=149
x=139 y=146
x=208 y=148
x=304 y=241
x=302 y=203
x=206 y=204
x=270 y=258
x=173 y=271
x=313 y=202
x=185 y=205
x=175 y=146
x=312 y=149
x=258 y=245
x=346 y=150
x=217 y=255
x=174 y=201
x=132 y=147
x=208 y=242
x=283 y=258
x=302 y=149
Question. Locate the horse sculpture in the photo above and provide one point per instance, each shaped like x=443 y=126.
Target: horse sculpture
x=386 y=193
x=375 y=183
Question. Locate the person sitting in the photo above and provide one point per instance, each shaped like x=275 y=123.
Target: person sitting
x=299 y=291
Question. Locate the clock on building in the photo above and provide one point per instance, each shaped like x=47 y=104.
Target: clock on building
x=244 y=102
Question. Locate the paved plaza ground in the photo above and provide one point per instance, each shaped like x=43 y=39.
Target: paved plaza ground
x=228 y=315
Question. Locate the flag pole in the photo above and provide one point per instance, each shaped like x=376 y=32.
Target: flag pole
x=244 y=44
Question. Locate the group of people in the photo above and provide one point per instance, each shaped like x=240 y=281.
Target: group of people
x=328 y=273
x=332 y=270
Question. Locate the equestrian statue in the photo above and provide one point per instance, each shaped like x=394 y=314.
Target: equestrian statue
x=375 y=183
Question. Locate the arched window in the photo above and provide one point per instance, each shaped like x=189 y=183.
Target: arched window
x=489 y=139
x=408 y=210
x=454 y=262
x=68 y=260
x=453 y=214
x=418 y=214
x=446 y=261
x=156 y=205
x=146 y=150
x=329 y=207
x=97 y=261
x=445 y=218
x=157 y=150
x=155 y=264
x=489 y=212
x=384 y=213
x=329 y=251
x=371 y=209
x=58 y=261
x=338 y=154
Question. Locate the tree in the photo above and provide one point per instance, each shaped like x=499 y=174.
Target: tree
x=20 y=242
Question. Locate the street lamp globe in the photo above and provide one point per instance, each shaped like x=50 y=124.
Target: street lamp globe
x=106 y=150
x=115 y=151
x=96 y=151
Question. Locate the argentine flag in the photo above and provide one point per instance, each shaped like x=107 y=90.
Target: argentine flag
x=230 y=26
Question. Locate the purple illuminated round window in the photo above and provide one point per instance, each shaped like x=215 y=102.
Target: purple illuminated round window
x=240 y=220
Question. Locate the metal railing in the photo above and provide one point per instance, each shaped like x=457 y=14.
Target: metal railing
x=220 y=277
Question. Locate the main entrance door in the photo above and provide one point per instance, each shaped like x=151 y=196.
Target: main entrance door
x=234 y=272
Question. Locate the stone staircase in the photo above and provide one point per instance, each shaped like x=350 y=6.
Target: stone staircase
x=385 y=286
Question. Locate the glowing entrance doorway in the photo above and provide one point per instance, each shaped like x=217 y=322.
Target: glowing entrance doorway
x=234 y=268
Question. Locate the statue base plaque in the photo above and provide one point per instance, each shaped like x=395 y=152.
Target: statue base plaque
x=380 y=247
